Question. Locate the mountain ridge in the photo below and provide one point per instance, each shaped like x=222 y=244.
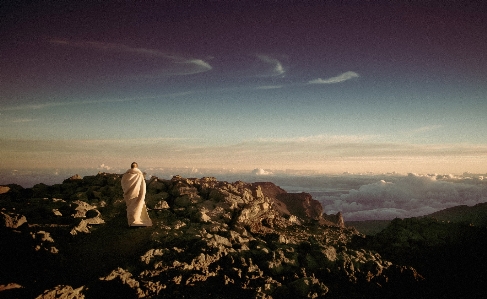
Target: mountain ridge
x=475 y=215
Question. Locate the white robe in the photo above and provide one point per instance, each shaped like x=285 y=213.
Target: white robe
x=133 y=185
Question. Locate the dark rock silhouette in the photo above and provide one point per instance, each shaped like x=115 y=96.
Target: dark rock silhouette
x=450 y=255
x=474 y=216
x=210 y=239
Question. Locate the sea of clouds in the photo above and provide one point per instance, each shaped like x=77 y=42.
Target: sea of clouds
x=406 y=196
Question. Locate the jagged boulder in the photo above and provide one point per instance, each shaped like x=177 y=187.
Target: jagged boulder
x=4 y=189
x=336 y=219
x=12 y=220
x=161 y=205
x=81 y=208
x=301 y=205
x=74 y=178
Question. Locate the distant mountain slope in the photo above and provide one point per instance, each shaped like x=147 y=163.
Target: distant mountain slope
x=475 y=215
x=368 y=227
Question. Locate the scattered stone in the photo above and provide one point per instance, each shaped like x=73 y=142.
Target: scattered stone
x=75 y=177
x=85 y=224
x=10 y=286
x=81 y=208
x=12 y=220
x=161 y=205
x=308 y=287
x=64 y=292
x=4 y=189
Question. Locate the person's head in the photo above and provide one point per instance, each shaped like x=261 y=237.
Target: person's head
x=134 y=165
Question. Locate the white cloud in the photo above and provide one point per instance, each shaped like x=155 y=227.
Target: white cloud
x=86 y=102
x=405 y=196
x=202 y=65
x=382 y=213
x=104 y=167
x=261 y=171
x=338 y=79
x=275 y=67
x=173 y=65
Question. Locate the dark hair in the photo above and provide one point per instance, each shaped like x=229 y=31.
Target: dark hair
x=134 y=165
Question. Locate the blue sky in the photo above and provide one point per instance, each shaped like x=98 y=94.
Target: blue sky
x=306 y=85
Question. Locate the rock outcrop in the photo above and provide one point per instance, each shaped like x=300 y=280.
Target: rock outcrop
x=11 y=220
x=210 y=239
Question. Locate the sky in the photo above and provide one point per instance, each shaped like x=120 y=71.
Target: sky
x=318 y=86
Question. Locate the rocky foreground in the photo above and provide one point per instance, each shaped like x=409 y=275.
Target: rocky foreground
x=210 y=239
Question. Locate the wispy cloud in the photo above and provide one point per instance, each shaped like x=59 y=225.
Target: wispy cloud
x=338 y=79
x=34 y=106
x=87 y=102
x=322 y=138
x=274 y=66
x=104 y=167
x=424 y=129
x=321 y=153
x=203 y=65
x=24 y=120
x=174 y=65
x=269 y=87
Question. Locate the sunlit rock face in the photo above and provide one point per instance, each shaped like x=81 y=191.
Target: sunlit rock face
x=209 y=239
x=11 y=220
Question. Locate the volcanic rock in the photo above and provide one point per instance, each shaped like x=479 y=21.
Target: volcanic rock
x=9 y=286
x=11 y=220
x=4 y=189
x=209 y=239
x=64 y=292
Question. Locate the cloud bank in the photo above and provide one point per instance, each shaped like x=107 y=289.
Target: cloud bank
x=324 y=154
x=338 y=79
x=405 y=196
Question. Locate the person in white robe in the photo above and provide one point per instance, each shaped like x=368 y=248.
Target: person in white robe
x=134 y=189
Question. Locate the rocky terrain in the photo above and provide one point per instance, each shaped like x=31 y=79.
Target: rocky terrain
x=211 y=239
